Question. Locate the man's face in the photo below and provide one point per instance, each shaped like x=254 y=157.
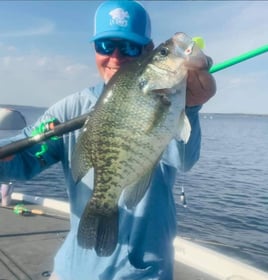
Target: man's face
x=112 y=53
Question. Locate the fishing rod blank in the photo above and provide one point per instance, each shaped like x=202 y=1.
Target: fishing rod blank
x=58 y=130
x=232 y=61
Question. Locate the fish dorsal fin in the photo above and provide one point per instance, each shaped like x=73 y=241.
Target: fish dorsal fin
x=184 y=128
x=135 y=192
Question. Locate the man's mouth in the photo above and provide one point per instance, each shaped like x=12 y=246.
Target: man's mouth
x=113 y=69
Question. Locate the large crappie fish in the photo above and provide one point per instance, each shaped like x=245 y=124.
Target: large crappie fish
x=140 y=111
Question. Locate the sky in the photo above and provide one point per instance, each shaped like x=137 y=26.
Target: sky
x=45 y=53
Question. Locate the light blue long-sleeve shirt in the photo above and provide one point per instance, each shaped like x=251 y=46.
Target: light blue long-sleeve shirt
x=146 y=233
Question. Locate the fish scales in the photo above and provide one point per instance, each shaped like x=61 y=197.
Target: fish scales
x=139 y=112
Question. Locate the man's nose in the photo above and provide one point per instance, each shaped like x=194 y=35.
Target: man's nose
x=116 y=53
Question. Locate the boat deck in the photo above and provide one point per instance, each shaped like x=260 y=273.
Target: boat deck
x=29 y=243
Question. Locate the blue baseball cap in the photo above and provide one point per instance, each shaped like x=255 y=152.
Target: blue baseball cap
x=122 y=19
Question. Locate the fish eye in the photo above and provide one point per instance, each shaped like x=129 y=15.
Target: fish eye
x=164 y=51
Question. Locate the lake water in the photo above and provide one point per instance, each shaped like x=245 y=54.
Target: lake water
x=227 y=190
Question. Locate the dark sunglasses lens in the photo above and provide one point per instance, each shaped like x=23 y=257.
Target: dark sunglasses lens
x=105 y=47
x=126 y=48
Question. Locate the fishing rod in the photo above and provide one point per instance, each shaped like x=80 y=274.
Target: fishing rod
x=77 y=123
x=20 y=209
x=232 y=61
x=54 y=131
x=235 y=60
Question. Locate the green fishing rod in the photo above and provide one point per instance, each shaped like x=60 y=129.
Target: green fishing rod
x=53 y=132
x=232 y=61
x=76 y=123
x=238 y=59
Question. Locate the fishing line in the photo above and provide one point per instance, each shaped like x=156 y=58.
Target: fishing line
x=183 y=196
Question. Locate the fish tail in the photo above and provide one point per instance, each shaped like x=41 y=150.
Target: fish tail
x=107 y=234
x=100 y=232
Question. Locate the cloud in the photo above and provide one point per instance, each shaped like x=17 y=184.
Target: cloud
x=7 y=48
x=42 y=80
x=11 y=48
x=75 y=69
x=229 y=28
x=248 y=26
x=43 y=28
x=239 y=92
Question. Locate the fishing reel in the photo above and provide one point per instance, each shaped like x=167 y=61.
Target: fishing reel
x=43 y=128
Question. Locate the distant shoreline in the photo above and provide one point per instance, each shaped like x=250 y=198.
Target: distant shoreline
x=18 y=107
x=233 y=114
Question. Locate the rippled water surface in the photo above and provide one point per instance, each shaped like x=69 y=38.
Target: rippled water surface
x=227 y=190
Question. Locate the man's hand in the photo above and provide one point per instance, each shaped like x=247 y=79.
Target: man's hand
x=201 y=85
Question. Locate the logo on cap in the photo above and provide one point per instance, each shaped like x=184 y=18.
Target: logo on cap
x=119 y=17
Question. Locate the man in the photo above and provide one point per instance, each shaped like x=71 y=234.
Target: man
x=146 y=233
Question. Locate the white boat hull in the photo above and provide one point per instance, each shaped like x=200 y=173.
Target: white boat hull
x=213 y=263
x=207 y=261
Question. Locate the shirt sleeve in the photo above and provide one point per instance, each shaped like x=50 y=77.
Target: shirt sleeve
x=26 y=164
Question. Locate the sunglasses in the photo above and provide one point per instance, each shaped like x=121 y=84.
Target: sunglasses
x=125 y=47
